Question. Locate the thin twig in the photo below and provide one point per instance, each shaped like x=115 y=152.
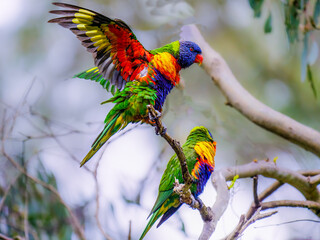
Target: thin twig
x=18 y=108
x=267 y=192
x=255 y=191
x=129 y=234
x=236 y=231
x=95 y=176
x=288 y=222
x=26 y=211
x=245 y=223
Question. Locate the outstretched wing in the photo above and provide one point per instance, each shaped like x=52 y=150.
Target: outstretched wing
x=117 y=53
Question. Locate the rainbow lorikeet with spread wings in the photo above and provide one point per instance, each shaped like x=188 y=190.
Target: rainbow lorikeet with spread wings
x=141 y=76
x=199 y=150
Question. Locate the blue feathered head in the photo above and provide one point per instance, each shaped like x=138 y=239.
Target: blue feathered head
x=189 y=53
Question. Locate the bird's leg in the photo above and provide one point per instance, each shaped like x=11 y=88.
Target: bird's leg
x=160 y=131
x=152 y=117
x=199 y=202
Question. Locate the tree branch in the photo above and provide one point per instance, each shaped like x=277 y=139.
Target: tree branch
x=291 y=203
x=299 y=180
x=269 y=169
x=315 y=180
x=219 y=207
x=253 y=213
x=244 y=223
x=246 y=104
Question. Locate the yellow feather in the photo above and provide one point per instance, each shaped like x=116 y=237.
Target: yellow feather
x=85 y=27
x=98 y=43
x=93 y=33
x=91 y=69
x=165 y=62
x=81 y=21
x=85 y=16
x=86 y=12
x=97 y=37
x=206 y=151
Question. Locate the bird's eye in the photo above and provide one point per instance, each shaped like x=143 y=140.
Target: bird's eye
x=191 y=49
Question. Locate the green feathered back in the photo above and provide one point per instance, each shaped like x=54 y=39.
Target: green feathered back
x=172 y=48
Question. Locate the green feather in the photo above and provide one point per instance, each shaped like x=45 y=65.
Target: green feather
x=163 y=196
x=172 y=48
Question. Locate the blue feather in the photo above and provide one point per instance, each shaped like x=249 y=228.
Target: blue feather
x=204 y=174
x=187 y=53
x=163 y=87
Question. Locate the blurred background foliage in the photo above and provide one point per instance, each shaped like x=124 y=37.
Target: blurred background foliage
x=49 y=119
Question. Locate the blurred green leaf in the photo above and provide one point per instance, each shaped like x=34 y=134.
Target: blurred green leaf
x=46 y=215
x=291 y=22
x=268 y=24
x=304 y=56
x=310 y=80
x=256 y=5
x=316 y=12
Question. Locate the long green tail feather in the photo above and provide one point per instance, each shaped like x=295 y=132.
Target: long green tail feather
x=110 y=129
x=168 y=207
x=163 y=196
x=152 y=220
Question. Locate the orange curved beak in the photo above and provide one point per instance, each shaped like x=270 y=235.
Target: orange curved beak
x=198 y=59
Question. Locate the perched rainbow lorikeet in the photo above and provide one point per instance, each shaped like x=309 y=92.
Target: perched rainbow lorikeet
x=199 y=150
x=141 y=76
